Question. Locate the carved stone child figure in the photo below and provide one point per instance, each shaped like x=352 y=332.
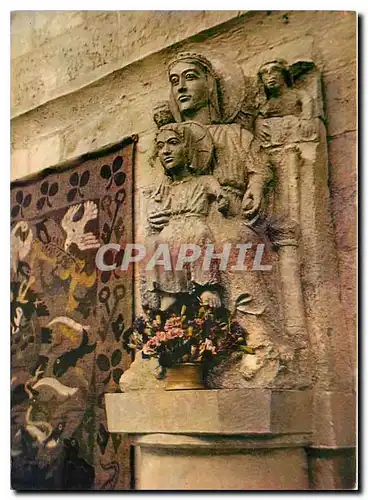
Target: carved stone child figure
x=177 y=213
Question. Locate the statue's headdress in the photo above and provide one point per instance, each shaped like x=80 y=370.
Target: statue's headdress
x=213 y=90
x=192 y=57
x=225 y=82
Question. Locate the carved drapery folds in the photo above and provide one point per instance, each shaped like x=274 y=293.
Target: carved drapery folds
x=233 y=149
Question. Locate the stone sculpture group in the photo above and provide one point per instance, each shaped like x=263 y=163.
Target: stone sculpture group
x=232 y=170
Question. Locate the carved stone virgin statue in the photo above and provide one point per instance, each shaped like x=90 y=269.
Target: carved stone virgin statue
x=205 y=100
x=213 y=94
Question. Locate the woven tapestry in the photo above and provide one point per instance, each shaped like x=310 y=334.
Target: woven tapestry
x=67 y=320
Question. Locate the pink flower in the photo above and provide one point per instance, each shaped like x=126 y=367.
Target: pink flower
x=148 y=349
x=173 y=322
x=198 y=321
x=208 y=346
x=176 y=332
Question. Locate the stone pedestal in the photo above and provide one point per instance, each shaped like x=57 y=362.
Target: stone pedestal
x=181 y=462
x=241 y=439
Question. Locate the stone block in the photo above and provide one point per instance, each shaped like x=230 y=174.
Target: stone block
x=144 y=32
x=63 y=52
x=244 y=411
x=343 y=181
x=21 y=36
x=49 y=24
x=302 y=49
x=31 y=29
x=348 y=291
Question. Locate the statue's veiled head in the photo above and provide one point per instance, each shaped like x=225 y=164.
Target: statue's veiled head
x=184 y=146
x=171 y=150
x=193 y=88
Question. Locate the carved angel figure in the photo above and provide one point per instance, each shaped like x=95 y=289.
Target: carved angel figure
x=282 y=99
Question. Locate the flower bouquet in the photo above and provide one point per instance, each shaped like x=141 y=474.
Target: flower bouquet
x=197 y=339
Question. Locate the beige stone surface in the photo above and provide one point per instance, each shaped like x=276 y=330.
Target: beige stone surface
x=54 y=53
x=168 y=464
x=141 y=376
x=343 y=185
x=334 y=420
x=340 y=86
x=44 y=153
x=246 y=411
x=20 y=162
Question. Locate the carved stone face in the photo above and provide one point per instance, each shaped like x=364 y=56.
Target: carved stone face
x=272 y=77
x=171 y=150
x=189 y=86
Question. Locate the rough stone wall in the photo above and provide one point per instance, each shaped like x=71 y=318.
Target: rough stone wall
x=81 y=80
x=55 y=53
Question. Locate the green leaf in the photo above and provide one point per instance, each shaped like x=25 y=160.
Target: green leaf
x=247 y=349
x=201 y=312
x=243 y=299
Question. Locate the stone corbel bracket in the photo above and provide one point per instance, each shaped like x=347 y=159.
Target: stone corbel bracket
x=236 y=439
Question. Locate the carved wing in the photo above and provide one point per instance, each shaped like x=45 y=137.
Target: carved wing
x=299 y=68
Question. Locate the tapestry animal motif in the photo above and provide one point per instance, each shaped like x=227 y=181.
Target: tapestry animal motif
x=67 y=319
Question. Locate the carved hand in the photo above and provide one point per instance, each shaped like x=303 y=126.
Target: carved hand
x=252 y=200
x=158 y=220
